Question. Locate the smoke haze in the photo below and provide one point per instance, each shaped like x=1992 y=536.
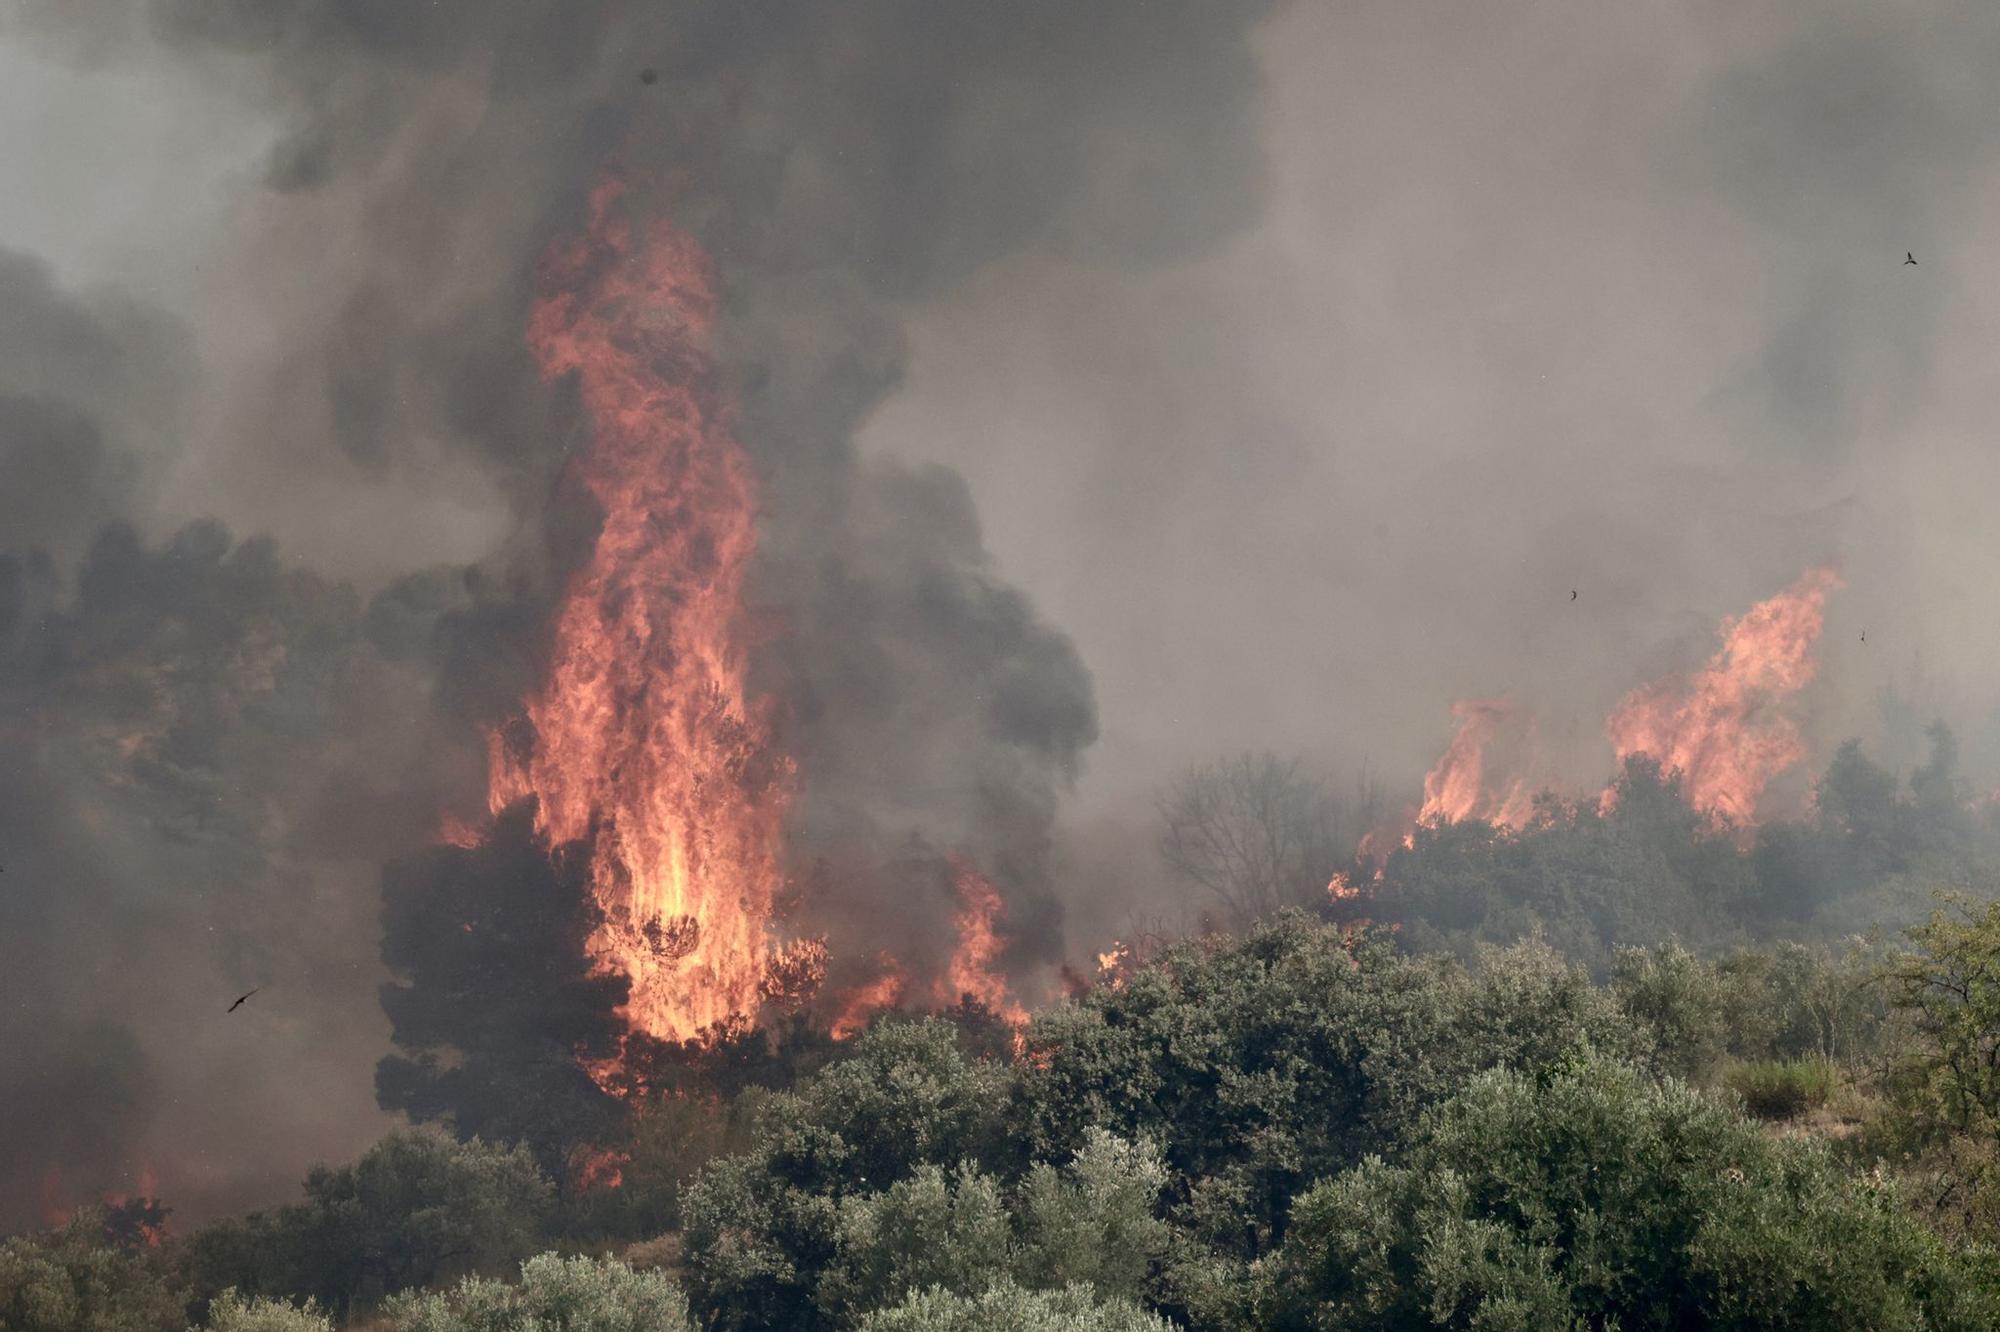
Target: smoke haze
x=1129 y=383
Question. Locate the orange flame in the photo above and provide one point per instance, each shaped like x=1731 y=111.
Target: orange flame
x=971 y=973
x=645 y=742
x=454 y=831
x=596 y=1168
x=876 y=996
x=1455 y=787
x=1719 y=728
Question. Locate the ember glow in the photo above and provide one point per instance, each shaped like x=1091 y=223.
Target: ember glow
x=644 y=740
x=1722 y=729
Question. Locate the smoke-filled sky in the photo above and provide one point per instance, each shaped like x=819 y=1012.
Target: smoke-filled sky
x=1297 y=361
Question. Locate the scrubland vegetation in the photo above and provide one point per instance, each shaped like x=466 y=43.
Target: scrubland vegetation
x=1622 y=1067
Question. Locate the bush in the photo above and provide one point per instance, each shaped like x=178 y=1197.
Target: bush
x=1681 y=1000
x=1592 y=1198
x=1783 y=1089
x=765 y=1227
x=555 y=1294
x=231 y=1313
x=417 y=1208
x=1260 y=1066
x=1009 y=1308
x=70 y=1280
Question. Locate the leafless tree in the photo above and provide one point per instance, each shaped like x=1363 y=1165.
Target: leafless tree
x=1258 y=833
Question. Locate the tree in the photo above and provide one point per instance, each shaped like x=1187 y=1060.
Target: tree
x=1594 y=1197
x=417 y=1208
x=73 y=1280
x=495 y=1001
x=765 y=1227
x=554 y=1293
x=1258 y=1067
x=1257 y=833
x=1947 y=989
x=1009 y=1308
x=232 y=1313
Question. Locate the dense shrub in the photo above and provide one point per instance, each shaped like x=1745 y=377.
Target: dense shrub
x=1783 y=1089
x=75 y=1280
x=1263 y=1065
x=1593 y=1196
x=1009 y=1308
x=554 y=1295
x=230 y=1312
x=417 y=1208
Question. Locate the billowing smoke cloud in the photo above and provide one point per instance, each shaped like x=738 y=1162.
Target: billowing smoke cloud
x=262 y=739
x=207 y=762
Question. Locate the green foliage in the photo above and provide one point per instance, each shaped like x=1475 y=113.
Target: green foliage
x=415 y=1209
x=928 y=1230
x=1783 y=1088
x=555 y=1294
x=73 y=1280
x=764 y=1227
x=1681 y=999
x=1591 y=1197
x=1093 y=1221
x=1010 y=1308
x=1947 y=991
x=1261 y=1066
x=230 y=1312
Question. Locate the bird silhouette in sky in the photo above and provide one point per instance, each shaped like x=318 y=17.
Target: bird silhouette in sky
x=1572 y=594
x=239 y=1003
x=1908 y=258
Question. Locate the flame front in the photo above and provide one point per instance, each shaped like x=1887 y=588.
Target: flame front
x=1455 y=787
x=644 y=741
x=971 y=974
x=1719 y=729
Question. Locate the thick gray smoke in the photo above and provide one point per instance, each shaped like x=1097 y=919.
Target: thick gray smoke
x=1301 y=364
x=225 y=748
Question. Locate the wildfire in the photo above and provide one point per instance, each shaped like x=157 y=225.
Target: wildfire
x=454 y=831
x=971 y=973
x=1720 y=729
x=1455 y=787
x=595 y=1168
x=644 y=739
x=876 y=996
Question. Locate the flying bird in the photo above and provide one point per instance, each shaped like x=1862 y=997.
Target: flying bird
x=1572 y=594
x=1908 y=258
x=648 y=76
x=239 y=1003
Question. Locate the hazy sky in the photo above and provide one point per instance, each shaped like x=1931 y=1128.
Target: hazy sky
x=1508 y=300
